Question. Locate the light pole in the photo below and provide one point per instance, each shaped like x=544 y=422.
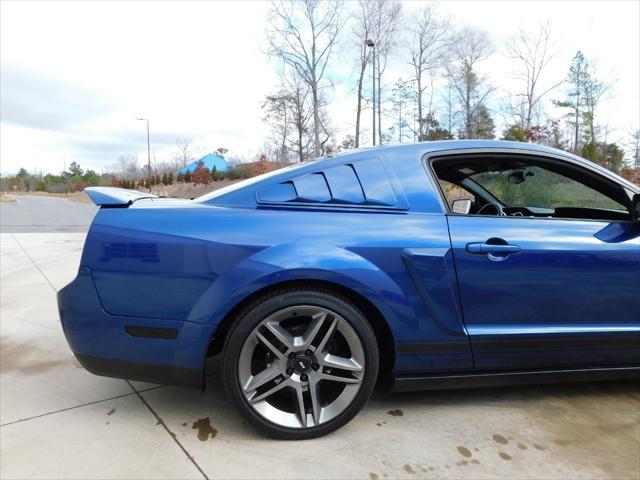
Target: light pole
x=373 y=86
x=148 y=153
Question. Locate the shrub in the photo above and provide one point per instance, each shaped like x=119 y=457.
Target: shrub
x=235 y=172
x=201 y=176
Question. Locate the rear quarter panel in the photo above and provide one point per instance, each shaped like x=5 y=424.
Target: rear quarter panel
x=195 y=264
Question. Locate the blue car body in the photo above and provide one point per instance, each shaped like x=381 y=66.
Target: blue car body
x=160 y=279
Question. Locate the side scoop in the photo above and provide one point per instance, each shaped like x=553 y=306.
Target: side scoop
x=113 y=196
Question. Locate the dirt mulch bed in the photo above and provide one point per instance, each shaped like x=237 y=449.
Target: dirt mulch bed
x=189 y=190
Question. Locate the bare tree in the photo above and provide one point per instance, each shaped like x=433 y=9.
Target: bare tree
x=128 y=167
x=469 y=47
x=185 y=151
x=449 y=104
x=402 y=96
x=428 y=47
x=532 y=51
x=362 y=31
x=302 y=36
x=277 y=109
x=301 y=116
x=386 y=22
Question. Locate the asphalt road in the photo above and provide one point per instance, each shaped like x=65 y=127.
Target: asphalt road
x=57 y=421
x=45 y=214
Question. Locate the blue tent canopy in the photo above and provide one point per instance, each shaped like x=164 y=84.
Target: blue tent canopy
x=210 y=160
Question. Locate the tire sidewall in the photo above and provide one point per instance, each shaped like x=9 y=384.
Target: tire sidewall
x=250 y=318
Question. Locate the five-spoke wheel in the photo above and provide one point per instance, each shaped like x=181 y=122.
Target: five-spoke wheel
x=303 y=368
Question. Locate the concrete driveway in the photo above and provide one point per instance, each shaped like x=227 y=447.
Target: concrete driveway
x=58 y=421
x=39 y=213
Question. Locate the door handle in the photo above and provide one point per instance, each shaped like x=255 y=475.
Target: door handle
x=489 y=248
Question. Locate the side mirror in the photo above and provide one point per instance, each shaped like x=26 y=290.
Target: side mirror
x=461 y=206
x=635 y=208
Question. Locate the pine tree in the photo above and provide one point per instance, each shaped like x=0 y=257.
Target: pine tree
x=482 y=123
x=577 y=79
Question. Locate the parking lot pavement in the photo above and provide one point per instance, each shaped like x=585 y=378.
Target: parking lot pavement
x=41 y=213
x=58 y=421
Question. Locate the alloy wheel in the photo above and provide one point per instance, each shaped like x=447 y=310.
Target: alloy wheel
x=302 y=366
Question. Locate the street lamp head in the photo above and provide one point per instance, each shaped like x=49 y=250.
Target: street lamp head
x=140 y=118
x=370 y=43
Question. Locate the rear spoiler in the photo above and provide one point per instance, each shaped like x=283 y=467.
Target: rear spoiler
x=112 y=196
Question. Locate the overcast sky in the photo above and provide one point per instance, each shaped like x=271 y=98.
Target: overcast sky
x=75 y=75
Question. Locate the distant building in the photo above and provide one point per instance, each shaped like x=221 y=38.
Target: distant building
x=209 y=161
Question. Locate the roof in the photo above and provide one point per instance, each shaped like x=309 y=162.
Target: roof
x=209 y=161
x=399 y=153
x=442 y=145
x=421 y=148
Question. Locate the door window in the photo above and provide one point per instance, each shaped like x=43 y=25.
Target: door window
x=523 y=186
x=535 y=186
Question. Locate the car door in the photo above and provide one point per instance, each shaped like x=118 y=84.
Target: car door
x=540 y=292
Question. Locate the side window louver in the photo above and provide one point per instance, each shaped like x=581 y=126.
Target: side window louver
x=360 y=183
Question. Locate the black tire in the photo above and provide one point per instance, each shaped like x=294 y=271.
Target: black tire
x=256 y=312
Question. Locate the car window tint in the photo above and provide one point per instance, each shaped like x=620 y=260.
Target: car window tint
x=362 y=183
x=375 y=183
x=454 y=192
x=544 y=189
x=279 y=192
x=344 y=184
x=312 y=188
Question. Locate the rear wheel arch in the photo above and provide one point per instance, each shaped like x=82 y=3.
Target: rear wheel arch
x=380 y=326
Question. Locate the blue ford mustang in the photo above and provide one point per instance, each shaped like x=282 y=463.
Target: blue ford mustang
x=433 y=265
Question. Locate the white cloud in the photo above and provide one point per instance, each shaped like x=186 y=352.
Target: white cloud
x=75 y=75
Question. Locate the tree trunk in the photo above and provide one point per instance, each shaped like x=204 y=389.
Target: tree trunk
x=300 y=154
x=449 y=110
x=419 y=99
x=316 y=120
x=359 y=106
x=283 y=153
x=575 y=142
x=467 y=107
x=400 y=123
x=379 y=107
x=527 y=124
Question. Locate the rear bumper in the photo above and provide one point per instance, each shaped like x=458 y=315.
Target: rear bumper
x=136 y=348
x=145 y=372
